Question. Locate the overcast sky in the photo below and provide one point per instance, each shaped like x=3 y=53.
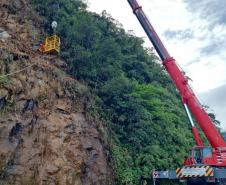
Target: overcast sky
x=194 y=32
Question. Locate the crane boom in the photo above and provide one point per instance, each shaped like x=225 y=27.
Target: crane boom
x=188 y=97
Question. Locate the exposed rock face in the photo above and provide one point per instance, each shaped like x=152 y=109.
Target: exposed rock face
x=46 y=136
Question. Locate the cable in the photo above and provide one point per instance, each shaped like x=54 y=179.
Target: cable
x=10 y=74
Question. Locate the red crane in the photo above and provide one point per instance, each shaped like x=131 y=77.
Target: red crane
x=214 y=156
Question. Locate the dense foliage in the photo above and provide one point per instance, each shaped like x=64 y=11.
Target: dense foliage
x=147 y=124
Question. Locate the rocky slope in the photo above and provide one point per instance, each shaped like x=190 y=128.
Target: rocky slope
x=46 y=135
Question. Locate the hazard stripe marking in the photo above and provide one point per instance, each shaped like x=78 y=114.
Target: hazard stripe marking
x=208 y=169
x=178 y=169
x=209 y=172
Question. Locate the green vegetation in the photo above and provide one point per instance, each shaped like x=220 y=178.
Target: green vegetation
x=4 y=81
x=148 y=128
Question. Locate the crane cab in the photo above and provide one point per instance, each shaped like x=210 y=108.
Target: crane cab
x=50 y=45
x=206 y=155
x=199 y=156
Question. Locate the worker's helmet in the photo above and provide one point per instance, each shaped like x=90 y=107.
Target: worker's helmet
x=54 y=25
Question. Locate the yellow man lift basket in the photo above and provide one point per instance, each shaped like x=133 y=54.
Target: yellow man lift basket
x=51 y=45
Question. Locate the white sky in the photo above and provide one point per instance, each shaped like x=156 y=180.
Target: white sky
x=207 y=71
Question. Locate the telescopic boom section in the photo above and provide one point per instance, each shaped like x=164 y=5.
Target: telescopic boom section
x=181 y=82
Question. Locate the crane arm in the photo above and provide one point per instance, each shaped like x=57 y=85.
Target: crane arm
x=188 y=97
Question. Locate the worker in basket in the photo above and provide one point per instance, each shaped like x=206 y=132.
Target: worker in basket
x=52 y=43
x=42 y=47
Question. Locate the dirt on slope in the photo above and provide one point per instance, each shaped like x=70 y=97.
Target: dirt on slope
x=46 y=135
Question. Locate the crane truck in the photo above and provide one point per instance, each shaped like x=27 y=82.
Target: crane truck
x=205 y=164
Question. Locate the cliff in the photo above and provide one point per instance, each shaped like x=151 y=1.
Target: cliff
x=46 y=134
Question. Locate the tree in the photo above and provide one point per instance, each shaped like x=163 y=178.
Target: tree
x=133 y=94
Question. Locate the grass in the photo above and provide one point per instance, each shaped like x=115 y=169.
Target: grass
x=5 y=81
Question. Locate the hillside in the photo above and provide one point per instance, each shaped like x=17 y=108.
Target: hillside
x=103 y=112
x=46 y=135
